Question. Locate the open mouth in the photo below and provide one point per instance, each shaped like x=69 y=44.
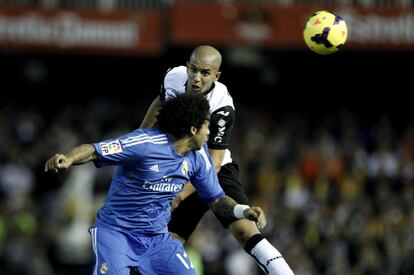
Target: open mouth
x=196 y=88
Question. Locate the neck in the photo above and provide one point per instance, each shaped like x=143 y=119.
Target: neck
x=181 y=146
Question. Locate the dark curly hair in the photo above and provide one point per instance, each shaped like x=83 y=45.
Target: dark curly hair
x=178 y=114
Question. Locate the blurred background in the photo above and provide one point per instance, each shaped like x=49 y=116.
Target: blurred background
x=325 y=143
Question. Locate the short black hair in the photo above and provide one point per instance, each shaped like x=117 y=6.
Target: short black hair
x=179 y=114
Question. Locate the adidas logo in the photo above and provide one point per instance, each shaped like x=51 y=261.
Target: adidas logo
x=154 y=168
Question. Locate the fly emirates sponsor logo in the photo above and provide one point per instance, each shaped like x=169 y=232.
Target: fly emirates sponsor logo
x=165 y=185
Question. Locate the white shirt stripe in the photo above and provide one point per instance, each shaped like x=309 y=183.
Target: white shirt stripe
x=182 y=260
x=145 y=141
x=157 y=139
x=142 y=136
x=207 y=161
x=94 y=232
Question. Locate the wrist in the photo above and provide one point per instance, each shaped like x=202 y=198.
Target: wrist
x=238 y=211
x=69 y=160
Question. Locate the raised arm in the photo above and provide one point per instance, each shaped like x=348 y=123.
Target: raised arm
x=227 y=207
x=151 y=115
x=221 y=126
x=78 y=155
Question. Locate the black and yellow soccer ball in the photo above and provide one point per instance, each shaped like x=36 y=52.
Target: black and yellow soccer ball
x=325 y=32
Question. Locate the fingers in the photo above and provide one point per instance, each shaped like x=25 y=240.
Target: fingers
x=258 y=216
x=56 y=163
x=49 y=166
x=261 y=222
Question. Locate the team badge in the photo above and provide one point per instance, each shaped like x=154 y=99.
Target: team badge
x=111 y=147
x=104 y=268
x=221 y=122
x=184 y=168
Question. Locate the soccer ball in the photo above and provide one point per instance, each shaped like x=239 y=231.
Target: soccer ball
x=325 y=32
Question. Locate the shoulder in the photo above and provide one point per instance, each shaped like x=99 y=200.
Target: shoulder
x=143 y=137
x=176 y=77
x=174 y=82
x=202 y=158
x=220 y=97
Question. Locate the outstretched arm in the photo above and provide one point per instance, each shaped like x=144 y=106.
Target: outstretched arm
x=227 y=207
x=151 y=115
x=78 y=155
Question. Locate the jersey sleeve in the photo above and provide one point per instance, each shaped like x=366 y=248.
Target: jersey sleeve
x=174 y=83
x=115 y=152
x=163 y=92
x=221 y=126
x=205 y=179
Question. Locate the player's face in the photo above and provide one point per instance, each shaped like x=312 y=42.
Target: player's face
x=201 y=135
x=201 y=76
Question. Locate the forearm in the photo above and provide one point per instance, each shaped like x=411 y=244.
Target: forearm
x=151 y=115
x=229 y=208
x=223 y=206
x=78 y=155
x=187 y=191
x=81 y=154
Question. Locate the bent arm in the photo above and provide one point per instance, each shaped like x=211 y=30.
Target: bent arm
x=78 y=155
x=151 y=115
x=227 y=207
x=223 y=206
x=217 y=155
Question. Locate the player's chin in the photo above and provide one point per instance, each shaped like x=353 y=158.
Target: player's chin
x=196 y=89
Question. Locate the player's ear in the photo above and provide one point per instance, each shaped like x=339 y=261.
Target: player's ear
x=218 y=75
x=193 y=131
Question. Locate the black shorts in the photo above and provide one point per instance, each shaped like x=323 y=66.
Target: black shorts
x=188 y=214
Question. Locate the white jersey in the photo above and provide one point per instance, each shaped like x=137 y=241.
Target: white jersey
x=221 y=108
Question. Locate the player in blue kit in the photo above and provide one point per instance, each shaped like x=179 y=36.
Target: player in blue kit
x=153 y=165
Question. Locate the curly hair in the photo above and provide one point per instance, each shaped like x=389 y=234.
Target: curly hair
x=178 y=114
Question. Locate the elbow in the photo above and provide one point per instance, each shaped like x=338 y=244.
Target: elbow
x=212 y=205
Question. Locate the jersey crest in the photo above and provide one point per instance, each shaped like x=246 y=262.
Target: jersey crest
x=184 y=168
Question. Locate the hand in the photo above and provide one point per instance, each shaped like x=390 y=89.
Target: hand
x=56 y=163
x=257 y=215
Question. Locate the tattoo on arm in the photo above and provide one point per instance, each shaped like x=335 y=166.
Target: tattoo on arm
x=82 y=154
x=223 y=206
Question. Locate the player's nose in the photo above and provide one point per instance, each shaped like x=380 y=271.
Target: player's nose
x=196 y=77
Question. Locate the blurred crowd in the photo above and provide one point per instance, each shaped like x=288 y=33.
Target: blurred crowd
x=338 y=191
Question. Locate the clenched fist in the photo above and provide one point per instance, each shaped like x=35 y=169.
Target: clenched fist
x=56 y=163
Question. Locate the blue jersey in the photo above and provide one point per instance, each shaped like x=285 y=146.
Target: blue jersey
x=149 y=174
